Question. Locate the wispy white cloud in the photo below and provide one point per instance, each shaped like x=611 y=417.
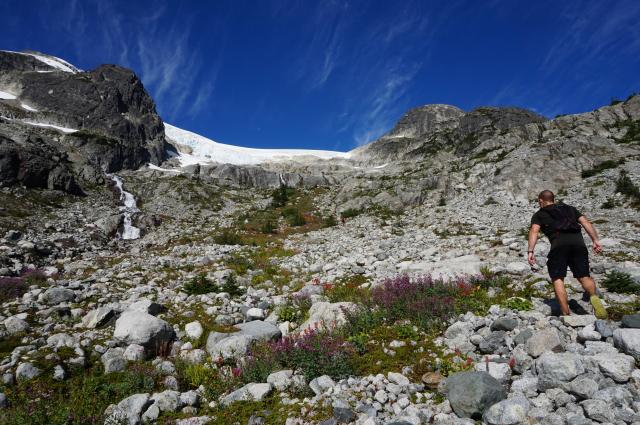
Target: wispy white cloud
x=592 y=29
x=390 y=53
x=385 y=103
x=320 y=52
x=160 y=49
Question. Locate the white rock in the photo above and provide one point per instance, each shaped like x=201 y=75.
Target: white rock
x=193 y=330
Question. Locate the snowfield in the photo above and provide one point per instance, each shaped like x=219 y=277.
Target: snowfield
x=196 y=149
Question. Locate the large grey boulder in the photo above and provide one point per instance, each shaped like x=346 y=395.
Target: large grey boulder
x=471 y=393
x=136 y=327
x=57 y=295
x=628 y=340
x=556 y=368
x=512 y=411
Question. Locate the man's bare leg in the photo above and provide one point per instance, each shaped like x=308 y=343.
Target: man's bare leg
x=588 y=285
x=590 y=288
x=561 y=296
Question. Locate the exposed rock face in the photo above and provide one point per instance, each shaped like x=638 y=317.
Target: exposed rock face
x=426 y=130
x=118 y=123
x=425 y=120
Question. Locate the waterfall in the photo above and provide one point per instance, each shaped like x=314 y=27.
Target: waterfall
x=128 y=209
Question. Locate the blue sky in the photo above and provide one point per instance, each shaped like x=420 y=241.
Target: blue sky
x=337 y=74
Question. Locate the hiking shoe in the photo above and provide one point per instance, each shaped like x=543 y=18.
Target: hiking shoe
x=598 y=308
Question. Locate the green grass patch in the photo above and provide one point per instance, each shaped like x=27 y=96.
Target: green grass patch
x=80 y=400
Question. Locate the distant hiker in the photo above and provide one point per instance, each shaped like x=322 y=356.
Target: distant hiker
x=563 y=224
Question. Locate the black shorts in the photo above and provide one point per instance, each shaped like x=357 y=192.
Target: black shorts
x=574 y=256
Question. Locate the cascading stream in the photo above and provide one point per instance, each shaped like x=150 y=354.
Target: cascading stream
x=128 y=209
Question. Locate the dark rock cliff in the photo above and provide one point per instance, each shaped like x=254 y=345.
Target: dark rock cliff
x=118 y=125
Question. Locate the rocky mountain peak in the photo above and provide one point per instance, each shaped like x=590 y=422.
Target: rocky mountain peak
x=427 y=119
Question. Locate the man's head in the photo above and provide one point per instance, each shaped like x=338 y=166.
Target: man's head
x=546 y=197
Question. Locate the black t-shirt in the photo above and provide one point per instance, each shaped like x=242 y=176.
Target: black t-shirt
x=545 y=221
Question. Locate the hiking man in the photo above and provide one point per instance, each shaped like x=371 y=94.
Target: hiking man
x=563 y=224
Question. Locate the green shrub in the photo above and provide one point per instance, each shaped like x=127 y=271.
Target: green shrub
x=227 y=237
x=406 y=331
x=609 y=204
x=280 y=197
x=350 y=213
x=199 y=285
x=330 y=221
x=230 y=285
x=518 y=303
x=289 y=313
x=606 y=165
x=625 y=186
x=442 y=201
x=294 y=217
x=620 y=282
x=268 y=227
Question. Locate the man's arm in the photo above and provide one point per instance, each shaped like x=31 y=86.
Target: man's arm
x=533 y=238
x=591 y=231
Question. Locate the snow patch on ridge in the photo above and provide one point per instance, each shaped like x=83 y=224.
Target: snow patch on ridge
x=52 y=61
x=55 y=127
x=6 y=96
x=196 y=149
x=28 y=108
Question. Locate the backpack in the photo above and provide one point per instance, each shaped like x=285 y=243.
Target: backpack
x=563 y=218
